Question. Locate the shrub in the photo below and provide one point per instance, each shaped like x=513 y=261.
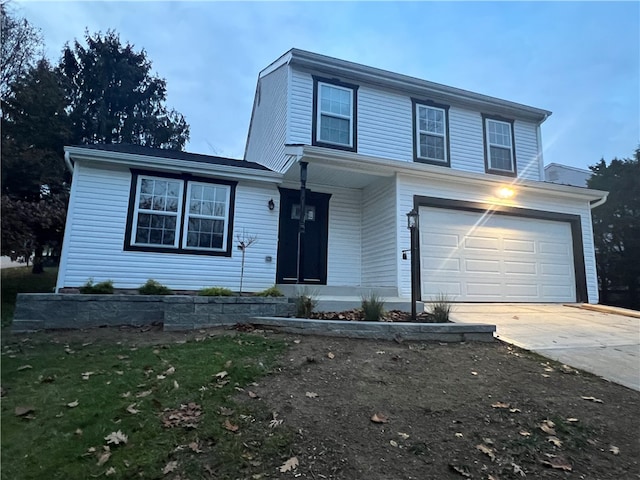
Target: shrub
x=102 y=288
x=215 y=292
x=270 y=292
x=154 y=288
x=306 y=302
x=372 y=307
x=440 y=308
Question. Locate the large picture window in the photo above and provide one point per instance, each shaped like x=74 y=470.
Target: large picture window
x=334 y=116
x=500 y=155
x=431 y=132
x=179 y=214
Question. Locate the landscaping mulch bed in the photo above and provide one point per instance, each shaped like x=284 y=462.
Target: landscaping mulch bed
x=357 y=315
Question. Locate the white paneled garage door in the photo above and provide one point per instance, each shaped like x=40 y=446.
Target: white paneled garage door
x=474 y=257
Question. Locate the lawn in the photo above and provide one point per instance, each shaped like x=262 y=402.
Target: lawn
x=21 y=280
x=73 y=409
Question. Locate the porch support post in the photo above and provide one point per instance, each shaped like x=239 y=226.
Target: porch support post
x=303 y=218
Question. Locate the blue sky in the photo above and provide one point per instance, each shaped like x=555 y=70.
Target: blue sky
x=581 y=60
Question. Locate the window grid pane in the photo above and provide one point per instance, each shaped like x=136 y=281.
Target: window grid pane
x=432 y=147
x=500 y=146
x=500 y=158
x=431 y=133
x=334 y=116
x=156 y=229
x=206 y=218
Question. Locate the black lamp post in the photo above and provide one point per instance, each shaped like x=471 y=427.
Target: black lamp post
x=412 y=225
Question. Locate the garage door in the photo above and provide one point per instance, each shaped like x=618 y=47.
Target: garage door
x=474 y=257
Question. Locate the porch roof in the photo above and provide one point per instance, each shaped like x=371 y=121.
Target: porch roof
x=353 y=170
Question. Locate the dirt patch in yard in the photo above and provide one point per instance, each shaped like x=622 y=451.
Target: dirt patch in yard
x=456 y=410
x=452 y=411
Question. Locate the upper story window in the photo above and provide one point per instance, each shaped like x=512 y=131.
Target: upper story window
x=500 y=154
x=334 y=114
x=431 y=131
x=179 y=214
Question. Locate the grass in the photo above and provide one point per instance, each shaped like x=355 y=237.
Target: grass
x=21 y=280
x=373 y=307
x=57 y=442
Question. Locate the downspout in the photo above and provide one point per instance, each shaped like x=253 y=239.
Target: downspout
x=597 y=203
x=67 y=161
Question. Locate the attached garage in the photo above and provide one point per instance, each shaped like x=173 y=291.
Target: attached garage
x=473 y=255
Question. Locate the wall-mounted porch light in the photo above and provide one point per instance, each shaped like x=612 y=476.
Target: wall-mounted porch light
x=271 y=204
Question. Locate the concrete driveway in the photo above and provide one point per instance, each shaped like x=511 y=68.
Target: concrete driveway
x=605 y=343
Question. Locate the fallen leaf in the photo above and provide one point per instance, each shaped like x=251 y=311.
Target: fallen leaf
x=132 y=409
x=547 y=427
x=460 y=470
x=615 y=450
x=24 y=367
x=545 y=375
x=289 y=465
x=230 y=426
x=558 y=462
x=515 y=410
x=311 y=394
x=459 y=435
x=487 y=451
x=381 y=352
x=170 y=467
x=104 y=456
x=518 y=469
x=175 y=385
x=22 y=411
x=125 y=395
x=73 y=404
x=170 y=371
x=572 y=420
x=393 y=443
x=500 y=405
x=404 y=436
x=116 y=438
x=524 y=433
x=379 y=418
x=331 y=356
x=146 y=393
x=474 y=373
x=195 y=447
x=592 y=399
x=161 y=377
x=221 y=375
x=78 y=431
x=110 y=471
x=86 y=375
x=555 y=440
x=122 y=357
x=252 y=394
x=226 y=412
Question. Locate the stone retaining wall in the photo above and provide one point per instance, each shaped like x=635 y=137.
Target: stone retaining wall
x=40 y=311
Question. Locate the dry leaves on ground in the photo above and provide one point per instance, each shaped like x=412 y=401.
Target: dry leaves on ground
x=487 y=451
x=230 y=426
x=116 y=438
x=557 y=462
x=592 y=399
x=289 y=465
x=379 y=418
x=311 y=395
x=187 y=416
x=170 y=467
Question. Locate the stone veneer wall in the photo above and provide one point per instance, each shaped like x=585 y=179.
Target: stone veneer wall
x=40 y=311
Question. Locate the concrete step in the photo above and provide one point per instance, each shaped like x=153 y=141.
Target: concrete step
x=292 y=290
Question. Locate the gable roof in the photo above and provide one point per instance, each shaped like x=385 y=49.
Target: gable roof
x=128 y=148
x=405 y=83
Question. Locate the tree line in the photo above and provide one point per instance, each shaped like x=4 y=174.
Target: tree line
x=100 y=90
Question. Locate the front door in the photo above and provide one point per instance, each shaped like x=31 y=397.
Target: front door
x=310 y=265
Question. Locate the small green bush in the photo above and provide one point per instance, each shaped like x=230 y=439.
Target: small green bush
x=440 y=308
x=306 y=302
x=270 y=292
x=154 y=288
x=372 y=307
x=215 y=292
x=102 y=288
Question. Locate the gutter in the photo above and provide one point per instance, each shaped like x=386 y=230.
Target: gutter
x=67 y=161
x=597 y=203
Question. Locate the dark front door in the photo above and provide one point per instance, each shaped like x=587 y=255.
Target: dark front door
x=310 y=265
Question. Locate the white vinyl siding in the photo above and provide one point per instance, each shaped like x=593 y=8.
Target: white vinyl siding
x=94 y=239
x=300 y=108
x=267 y=131
x=410 y=186
x=345 y=239
x=379 y=231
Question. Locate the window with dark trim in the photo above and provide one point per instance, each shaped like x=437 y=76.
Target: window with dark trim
x=334 y=114
x=179 y=214
x=499 y=147
x=430 y=132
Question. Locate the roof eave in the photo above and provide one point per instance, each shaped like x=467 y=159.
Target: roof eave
x=172 y=164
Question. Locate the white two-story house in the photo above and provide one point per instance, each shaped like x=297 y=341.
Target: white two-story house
x=356 y=148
